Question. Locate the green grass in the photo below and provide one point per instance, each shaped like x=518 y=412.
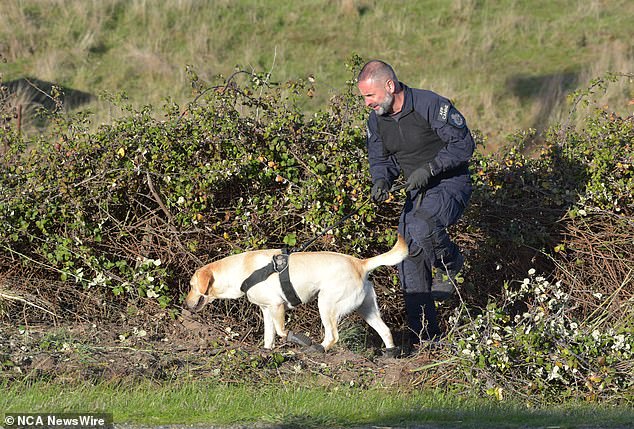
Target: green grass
x=293 y=406
x=477 y=53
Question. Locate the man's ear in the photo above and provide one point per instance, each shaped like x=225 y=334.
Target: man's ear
x=390 y=86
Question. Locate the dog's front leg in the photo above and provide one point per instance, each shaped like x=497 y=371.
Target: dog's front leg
x=278 y=313
x=273 y=324
x=269 y=328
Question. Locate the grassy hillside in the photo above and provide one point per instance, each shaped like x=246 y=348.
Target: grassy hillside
x=506 y=64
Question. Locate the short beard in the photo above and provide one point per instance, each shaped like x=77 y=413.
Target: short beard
x=385 y=106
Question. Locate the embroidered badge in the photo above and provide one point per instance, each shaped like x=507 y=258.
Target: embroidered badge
x=456 y=119
x=442 y=114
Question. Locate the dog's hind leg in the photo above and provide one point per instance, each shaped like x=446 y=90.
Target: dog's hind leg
x=369 y=311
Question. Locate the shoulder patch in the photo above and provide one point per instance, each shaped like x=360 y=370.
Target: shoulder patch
x=456 y=119
x=443 y=112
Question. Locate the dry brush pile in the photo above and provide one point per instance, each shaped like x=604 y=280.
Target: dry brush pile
x=126 y=212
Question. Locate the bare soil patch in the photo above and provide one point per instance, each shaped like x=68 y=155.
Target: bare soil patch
x=161 y=347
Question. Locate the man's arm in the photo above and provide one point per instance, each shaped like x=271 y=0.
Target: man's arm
x=452 y=128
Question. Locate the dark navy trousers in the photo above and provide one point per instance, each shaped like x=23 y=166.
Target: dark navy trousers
x=423 y=223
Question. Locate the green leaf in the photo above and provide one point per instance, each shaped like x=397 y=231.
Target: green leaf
x=290 y=239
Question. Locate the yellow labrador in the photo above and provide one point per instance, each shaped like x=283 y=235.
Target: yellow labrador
x=339 y=281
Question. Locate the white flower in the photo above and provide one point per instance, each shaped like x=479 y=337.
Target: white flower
x=619 y=342
x=99 y=280
x=468 y=352
x=554 y=373
x=531 y=271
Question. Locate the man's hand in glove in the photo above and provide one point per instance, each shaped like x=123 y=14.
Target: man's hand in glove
x=380 y=191
x=418 y=179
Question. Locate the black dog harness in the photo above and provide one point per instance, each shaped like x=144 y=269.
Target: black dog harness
x=279 y=264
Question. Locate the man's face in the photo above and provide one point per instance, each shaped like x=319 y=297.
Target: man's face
x=378 y=95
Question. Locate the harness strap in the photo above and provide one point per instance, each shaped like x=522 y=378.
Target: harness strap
x=257 y=276
x=278 y=265
x=285 y=281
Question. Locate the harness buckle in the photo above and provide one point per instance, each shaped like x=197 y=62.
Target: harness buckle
x=280 y=263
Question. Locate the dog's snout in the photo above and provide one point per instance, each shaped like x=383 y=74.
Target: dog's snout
x=195 y=304
x=200 y=303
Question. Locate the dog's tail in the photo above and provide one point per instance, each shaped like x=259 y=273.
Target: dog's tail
x=392 y=257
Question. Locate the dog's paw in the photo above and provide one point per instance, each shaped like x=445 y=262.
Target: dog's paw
x=300 y=339
x=315 y=349
x=393 y=352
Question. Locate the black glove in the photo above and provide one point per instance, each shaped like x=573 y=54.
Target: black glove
x=419 y=178
x=380 y=191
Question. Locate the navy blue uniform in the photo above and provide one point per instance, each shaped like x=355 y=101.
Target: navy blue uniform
x=428 y=131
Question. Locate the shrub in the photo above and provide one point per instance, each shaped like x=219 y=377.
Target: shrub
x=241 y=168
x=566 y=210
x=531 y=344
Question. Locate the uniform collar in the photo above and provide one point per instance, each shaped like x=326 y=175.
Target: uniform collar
x=408 y=102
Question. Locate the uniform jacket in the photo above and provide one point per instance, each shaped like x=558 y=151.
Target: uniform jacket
x=428 y=130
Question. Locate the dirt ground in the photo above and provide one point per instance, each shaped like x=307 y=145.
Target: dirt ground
x=161 y=346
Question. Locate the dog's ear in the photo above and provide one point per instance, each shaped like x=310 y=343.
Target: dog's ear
x=204 y=277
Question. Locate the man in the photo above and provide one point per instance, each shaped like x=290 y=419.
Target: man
x=422 y=135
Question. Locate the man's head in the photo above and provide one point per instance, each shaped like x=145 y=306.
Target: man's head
x=377 y=83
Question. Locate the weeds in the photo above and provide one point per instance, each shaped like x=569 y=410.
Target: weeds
x=532 y=344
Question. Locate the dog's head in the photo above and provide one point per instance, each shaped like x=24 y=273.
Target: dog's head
x=197 y=297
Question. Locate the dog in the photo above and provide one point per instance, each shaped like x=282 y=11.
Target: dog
x=340 y=283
